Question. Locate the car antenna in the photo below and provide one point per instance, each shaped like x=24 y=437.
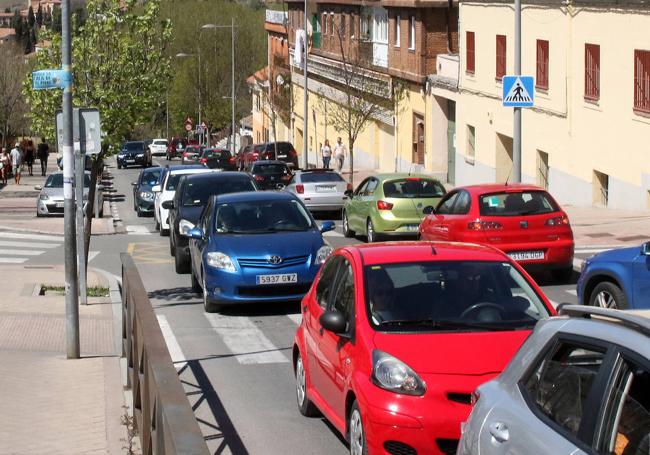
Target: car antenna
x=509 y=174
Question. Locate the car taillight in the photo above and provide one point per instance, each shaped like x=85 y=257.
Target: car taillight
x=383 y=205
x=479 y=225
x=300 y=189
x=259 y=178
x=186 y=154
x=475 y=397
x=232 y=160
x=349 y=187
x=558 y=221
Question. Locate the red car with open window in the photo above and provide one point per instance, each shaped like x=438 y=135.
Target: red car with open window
x=395 y=337
x=522 y=220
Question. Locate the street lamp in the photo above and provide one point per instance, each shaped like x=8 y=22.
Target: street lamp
x=232 y=75
x=185 y=55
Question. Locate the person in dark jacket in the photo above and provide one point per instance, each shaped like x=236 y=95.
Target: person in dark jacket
x=42 y=154
x=29 y=156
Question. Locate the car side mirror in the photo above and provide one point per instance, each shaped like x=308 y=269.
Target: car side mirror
x=645 y=249
x=349 y=193
x=428 y=210
x=195 y=233
x=156 y=189
x=327 y=226
x=168 y=205
x=38 y=187
x=134 y=183
x=333 y=321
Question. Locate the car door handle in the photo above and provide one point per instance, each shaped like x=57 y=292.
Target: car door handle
x=499 y=431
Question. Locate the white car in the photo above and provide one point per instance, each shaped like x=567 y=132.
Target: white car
x=158 y=147
x=166 y=190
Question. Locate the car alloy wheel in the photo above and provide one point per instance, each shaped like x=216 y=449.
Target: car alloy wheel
x=605 y=300
x=370 y=231
x=357 y=434
x=346 y=226
x=608 y=295
x=306 y=407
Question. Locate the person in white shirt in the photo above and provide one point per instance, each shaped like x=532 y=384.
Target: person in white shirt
x=339 y=154
x=16 y=162
x=326 y=153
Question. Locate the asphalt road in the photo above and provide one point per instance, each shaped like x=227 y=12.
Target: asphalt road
x=235 y=366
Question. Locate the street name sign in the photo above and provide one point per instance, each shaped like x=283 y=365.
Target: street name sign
x=50 y=79
x=518 y=91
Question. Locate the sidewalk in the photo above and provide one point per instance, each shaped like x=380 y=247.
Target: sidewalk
x=51 y=404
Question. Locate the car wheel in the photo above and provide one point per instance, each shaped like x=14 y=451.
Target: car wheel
x=163 y=232
x=181 y=264
x=608 y=295
x=305 y=406
x=208 y=306
x=356 y=433
x=347 y=232
x=172 y=244
x=196 y=285
x=119 y=166
x=38 y=215
x=562 y=275
x=370 y=232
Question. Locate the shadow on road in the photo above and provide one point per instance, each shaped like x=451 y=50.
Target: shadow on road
x=174 y=294
x=262 y=309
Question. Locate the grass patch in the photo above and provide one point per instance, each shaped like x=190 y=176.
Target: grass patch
x=93 y=291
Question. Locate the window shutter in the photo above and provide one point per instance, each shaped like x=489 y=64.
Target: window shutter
x=542 y=65
x=642 y=81
x=470 y=53
x=501 y=57
x=592 y=71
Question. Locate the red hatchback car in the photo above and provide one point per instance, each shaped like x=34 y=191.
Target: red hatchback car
x=522 y=220
x=395 y=337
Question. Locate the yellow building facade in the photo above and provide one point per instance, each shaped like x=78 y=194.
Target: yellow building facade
x=586 y=138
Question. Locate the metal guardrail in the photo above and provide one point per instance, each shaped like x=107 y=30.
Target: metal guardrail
x=163 y=416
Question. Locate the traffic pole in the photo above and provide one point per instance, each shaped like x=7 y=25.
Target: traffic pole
x=232 y=84
x=516 y=139
x=81 y=244
x=305 y=111
x=71 y=283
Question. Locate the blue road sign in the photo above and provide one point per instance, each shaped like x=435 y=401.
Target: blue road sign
x=49 y=79
x=518 y=91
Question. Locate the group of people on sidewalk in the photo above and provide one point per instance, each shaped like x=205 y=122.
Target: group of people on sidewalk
x=12 y=163
x=339 y=153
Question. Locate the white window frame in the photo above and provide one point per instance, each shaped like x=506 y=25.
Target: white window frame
x=379 y=32
x=332 y=25
x=398 y=31
x=412 y=30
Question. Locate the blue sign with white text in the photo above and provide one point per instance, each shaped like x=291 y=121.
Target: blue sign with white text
x=49 y=79
x=518 y=91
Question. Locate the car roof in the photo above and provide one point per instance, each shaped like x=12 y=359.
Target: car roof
x=176 y=167
x=134 y=142
x=396 y=252
x=263 y=162
x=261 y=196
x=316 y=171
x=217 y=175
x=500 y=187
x=193 y=170
x=403 y=175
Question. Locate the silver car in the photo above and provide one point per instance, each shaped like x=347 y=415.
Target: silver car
x=50 y=198
x=319 y=189
x=580 y=384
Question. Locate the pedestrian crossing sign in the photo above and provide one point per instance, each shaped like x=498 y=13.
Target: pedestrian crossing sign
x=518 y=91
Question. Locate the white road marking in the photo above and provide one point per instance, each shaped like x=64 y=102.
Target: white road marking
x=42 y=237
x=28 y=244
x=296 y=318
x=592 y=250
x=175 y=351
x=12 y=260
x=5 y=252
x=332 y=234
x=573 y=292
x=138 y=230
x=245 y=340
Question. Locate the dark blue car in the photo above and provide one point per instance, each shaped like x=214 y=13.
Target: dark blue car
x=617 y=279
x=255 y=247
x=143 y=196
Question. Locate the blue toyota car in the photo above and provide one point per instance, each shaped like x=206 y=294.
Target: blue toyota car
x=255 y=247
x=618 y=279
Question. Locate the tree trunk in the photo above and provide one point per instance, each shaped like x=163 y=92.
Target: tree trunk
x=351 y=150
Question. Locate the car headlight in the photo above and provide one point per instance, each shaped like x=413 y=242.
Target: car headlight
x=184 y=227
x=140 y=155
x=43 y=197
x=323 y=253
x=221 y=261
x=393 y=375
x=146 y=195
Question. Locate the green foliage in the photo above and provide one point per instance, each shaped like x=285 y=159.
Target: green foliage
x=119 y=67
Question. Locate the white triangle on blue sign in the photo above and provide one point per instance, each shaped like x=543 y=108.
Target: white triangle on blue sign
x=518 y=93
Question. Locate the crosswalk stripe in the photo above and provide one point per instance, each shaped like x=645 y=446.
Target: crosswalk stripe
x=296 y=318
x=28 y=244
x=12 y=260
x=174 y=348
x=332 y=234
x=41 y=237
x=5 y=252
x=245 y=340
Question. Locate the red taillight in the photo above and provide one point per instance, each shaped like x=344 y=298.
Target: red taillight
x=349 y=187
x=558 y=221
x=186 y=154
x=413 y=179
x=383 y=205
x=300 y=189
x=479 y=225
x=475 y=397
x=203 y=160
x=232 y=160
x=259 y=178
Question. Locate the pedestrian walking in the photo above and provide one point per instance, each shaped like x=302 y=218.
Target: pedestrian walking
x=16 y=162
x=29 y=157
x=5 y=165
x=339 y=154
x=42 y=154
x=326 y=153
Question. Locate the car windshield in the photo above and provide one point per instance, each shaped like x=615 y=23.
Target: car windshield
x=197 y=192
x=133 y=146
x=151 y=177
x=160 y=143
x=212 y=153
x=270 y=169
x=172 y=181
x=56 y=181
x=413 y=187
x=260 y=217
x=316 y=177
x=517 y=204
x=283 y=147
x=450 y=295
x=192 y=149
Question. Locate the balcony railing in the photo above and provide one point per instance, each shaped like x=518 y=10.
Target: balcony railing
x=276 y=17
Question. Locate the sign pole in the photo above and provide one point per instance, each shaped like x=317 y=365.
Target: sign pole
x=71 y=283
x=79 y=196
x=516 y=139
x=305 y=114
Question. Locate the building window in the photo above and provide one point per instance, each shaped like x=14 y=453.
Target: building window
x=542 y=169
x=592 y=71
x=332 y=31
x=470 y=52
x=398 y=30
x=471 y=142
x=366 y=26
x=542 y=65
x=501 y=56
x=642 y=81
x=343 y=25
x=412 y=33
x=380 y=32
x=324 y=22
x=352 y=25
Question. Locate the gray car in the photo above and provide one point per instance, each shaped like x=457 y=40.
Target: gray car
x=319 y=189
x=50 y=198
x=579 y=385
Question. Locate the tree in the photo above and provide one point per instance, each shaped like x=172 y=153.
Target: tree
x=119 y=66
x=39 y=15
x=31 y=19
x=12 y=74
x=56 y=20
x=354 y=102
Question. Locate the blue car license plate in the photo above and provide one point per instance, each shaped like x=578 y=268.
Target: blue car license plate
x=286 y=278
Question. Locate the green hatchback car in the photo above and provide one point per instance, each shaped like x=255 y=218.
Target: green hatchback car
x=390 y=205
